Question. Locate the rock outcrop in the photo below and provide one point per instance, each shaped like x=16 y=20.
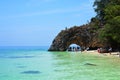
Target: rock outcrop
x=80 y=35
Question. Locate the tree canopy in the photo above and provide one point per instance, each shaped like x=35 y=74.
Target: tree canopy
x=108 y=14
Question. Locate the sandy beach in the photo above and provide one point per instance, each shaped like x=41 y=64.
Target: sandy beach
x=113 y=54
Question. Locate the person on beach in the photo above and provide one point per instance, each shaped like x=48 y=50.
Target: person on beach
x=87 y=48
x=78 y=49
x=98 y=50
x=110 y=50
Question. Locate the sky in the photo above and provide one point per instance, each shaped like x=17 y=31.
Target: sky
x=37 y=22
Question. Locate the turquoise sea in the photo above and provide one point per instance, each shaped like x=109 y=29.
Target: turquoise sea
x=36 y=63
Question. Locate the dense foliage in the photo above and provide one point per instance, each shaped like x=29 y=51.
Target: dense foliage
x=108 y=16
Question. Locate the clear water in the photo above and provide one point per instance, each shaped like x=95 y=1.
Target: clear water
x=37 y=64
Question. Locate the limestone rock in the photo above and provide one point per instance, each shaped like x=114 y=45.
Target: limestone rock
x=80 y=35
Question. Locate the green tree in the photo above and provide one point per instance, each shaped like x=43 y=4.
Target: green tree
x=108 y=14
x=99 y=9
x=111 y=11
x=111 y=32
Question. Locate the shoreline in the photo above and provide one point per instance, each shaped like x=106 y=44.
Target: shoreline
x=113 y=54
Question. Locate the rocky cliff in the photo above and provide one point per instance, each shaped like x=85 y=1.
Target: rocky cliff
x=84 y=36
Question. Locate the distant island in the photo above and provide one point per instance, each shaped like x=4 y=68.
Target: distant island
x=103 y=30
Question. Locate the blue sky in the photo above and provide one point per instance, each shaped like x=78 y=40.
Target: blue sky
x=37 y=22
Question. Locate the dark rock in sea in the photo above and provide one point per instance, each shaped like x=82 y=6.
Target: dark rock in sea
x=31 y=72
x=91 y=64
x=80 y=35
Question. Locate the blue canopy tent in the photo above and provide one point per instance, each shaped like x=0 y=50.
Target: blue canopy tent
x=74 y=47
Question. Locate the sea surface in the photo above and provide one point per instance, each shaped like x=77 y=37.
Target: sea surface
x=36 y=63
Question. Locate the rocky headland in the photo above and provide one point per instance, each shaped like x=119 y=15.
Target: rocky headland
x=84 y=36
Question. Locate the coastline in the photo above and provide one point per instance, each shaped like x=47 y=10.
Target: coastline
x=113 y=54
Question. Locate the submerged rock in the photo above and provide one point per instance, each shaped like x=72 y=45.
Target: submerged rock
x=31 y=72
x=21 y=66
x=91 y=64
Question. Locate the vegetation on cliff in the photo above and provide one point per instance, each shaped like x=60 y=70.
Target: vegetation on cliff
x=108 y=17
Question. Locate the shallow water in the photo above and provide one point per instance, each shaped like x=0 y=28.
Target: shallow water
x=43 y=65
